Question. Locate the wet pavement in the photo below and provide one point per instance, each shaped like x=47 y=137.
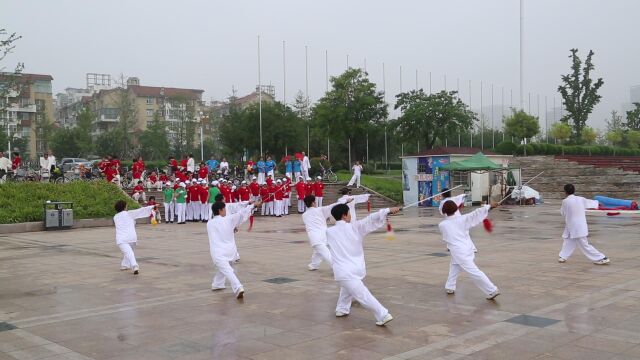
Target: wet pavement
x=62 y=295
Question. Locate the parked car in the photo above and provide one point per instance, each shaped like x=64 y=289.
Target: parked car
x=67 y=164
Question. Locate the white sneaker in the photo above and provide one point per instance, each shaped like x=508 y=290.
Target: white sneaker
x=240 y=293
x=216 y=288
x=449 y=291
x=123 y=268
x=605 y=260
x=493 y=294
x=562 y=260
x=341 y=314
x=385 y=320
x=136 y=270
x=311 y=268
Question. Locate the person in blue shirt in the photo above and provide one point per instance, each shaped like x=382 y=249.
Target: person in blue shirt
x=288 y=167
x=262 y=169
x=212 y=164
x=270 y=167
x=296 y=169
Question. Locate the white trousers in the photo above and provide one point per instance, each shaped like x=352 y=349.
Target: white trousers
x=225 y=272
x=355 y=179
x=320 y=252
x=355 y=289
x=319 y=201
x=169 y=211
x=285 y=206
x=205 y=211
x=261 y=178
x=296 y=175
x=288 y=175
x=138 y=195
x=300 y=206
x=305 y=174
x=268 y=209
x=188 y=211
x=157 y=185
x=569 y=245
x=277 y=208
x=478 y=277
x=272 y=173
x=128 y=257
x=180 y=211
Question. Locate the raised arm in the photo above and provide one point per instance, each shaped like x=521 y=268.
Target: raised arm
x=590 y=204
x=326 y=210
x=234 y=208
x=475 y=217
x=243 y=215
x=459 y=200
x=372 y=222
x=141 y=213
x=357 y=199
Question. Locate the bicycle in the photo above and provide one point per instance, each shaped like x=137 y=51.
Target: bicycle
x=328 y=175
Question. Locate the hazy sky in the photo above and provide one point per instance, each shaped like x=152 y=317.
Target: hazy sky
x=212 y=45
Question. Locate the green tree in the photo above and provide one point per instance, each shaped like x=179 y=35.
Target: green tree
x=154 y=143
x=561 y=132
x=579 y=92
x=65 y=143
x=110 y=142
x=589 y=135
x=616 y=137
x=633 y=118
x=521 y=125
x=84 y=126
x=183 y=129
x=429 y=117
x=615 y=122
x=126 y=122
x=281 y=129
x=348 y=111
x=633 y=138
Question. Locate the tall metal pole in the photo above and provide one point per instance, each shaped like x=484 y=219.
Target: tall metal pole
x=306 y=92
x=546 y=122
x=481 y=119
x=284 y=74
x=365 y=64
x=347 y=61
x=400 y=78
x=470 y=108
x=260 y=96
x=445 y=82
x=326 y=70
x=493 y=132
x=521 y=55
x=416 y=79
x=384 y=94
x=502 y=111
x=458 y=88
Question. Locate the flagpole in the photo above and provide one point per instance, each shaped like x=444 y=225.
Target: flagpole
x=260 y=96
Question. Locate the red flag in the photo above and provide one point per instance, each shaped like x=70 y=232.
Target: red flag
x=368 y=206
x=250 y=222
x=390 y=235
x=488 y=225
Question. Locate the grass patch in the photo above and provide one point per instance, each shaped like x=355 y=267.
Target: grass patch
x=389 y=185
x=23 y=202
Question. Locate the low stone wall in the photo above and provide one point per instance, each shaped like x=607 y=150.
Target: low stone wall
x=77 y=224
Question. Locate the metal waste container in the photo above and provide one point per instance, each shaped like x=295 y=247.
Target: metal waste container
x=58 y=215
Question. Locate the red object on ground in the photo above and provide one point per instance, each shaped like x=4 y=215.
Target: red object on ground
x=488 y=225
x=250 y=222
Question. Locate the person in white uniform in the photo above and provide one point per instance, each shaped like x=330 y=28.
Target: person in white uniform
x=357 y=171
x=347 y=253
x=455 y=233
x=357 y=199
x=315 y=222
x=305 y=166
x=191 y=164
x=222 y=245
x=459 y=200
x=576 y=229
x=126 y=237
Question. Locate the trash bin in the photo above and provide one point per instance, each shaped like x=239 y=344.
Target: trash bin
x=58 y=215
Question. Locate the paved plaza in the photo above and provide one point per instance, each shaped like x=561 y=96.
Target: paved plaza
x=62 y=295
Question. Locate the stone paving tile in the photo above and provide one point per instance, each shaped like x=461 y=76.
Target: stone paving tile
x=169 y=312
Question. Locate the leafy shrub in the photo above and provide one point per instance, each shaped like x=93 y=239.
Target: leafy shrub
x=23 y=202
x=553 y=149
x=506 y=148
